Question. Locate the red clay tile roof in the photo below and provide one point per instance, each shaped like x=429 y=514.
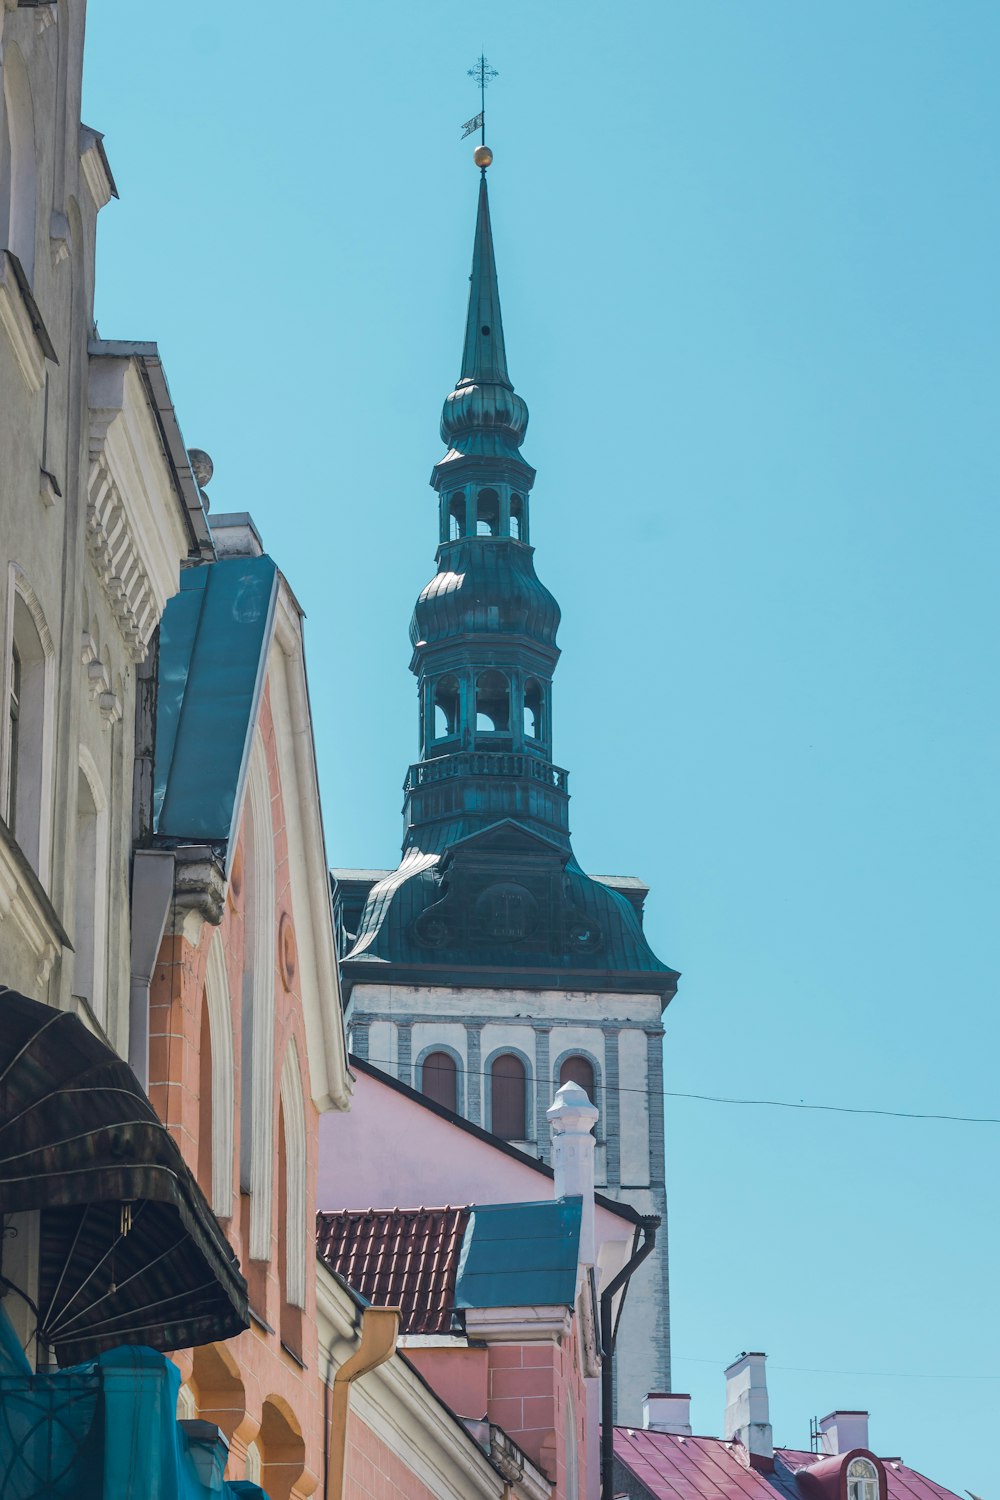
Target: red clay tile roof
x=704 y=1468
x=398 y=1257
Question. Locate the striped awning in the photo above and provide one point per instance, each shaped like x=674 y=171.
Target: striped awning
x=130 y=1252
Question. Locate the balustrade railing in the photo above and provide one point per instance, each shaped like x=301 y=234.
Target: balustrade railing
x=486 y=763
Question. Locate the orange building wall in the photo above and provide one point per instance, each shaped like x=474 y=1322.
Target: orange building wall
x=250 y=1386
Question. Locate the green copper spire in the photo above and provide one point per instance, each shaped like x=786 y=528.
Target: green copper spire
x=484 y=359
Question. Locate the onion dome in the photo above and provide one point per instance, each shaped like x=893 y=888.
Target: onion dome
x=483 y=589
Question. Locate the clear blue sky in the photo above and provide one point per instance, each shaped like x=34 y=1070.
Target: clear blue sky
x=749 y=257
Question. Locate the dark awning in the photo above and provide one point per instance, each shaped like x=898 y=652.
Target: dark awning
x=130 y=1251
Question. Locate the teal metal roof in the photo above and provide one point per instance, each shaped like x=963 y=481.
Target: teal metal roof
x=214 y=639
x=520 y=1255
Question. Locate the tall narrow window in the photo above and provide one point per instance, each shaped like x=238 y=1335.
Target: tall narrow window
x=439 y=1079
x=493 y=702
x=533 y=709
x=14 y=709
x=487 y=513
x=205 y=1111
x=456 y=515
x=578 y=1070
x=445 y=708
x=517 y=517
x=508 y=1097
x=90 y=917
x=862 y=1480
x=25 y=752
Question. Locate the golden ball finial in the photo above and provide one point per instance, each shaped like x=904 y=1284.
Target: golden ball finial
x=482 y=156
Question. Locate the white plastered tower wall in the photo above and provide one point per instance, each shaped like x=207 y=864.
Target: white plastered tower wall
x=395 y=1026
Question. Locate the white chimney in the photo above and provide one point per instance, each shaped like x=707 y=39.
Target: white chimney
x=667 y=1413
x=572 y=1118
x=843 y=1430
x=747 y=1416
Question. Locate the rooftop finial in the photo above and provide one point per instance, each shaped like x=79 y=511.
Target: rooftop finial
x=483 y=74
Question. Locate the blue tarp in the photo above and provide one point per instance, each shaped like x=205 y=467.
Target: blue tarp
x=106 y=1430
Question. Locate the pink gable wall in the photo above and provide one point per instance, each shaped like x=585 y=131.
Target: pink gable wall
x=390 y=1152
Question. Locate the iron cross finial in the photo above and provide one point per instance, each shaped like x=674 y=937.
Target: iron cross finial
x=483 y=74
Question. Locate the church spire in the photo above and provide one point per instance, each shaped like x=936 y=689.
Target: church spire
x=484 y=358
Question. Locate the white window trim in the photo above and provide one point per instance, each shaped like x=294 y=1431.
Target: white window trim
x=102 y=875
x=220 y=1024
x=257 y=1153
x=293 y=1113
x=19 y=585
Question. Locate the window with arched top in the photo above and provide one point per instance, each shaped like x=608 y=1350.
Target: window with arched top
x=26 y=731
x=446 y=703
x=487 y=513
x=492 y=702
x=508 y=1098
x=533 y=709
x=456 y=515
x=439 y=1079
x=18 y=163
x=862 y=1480
x=578 y=1070
x=517 y=518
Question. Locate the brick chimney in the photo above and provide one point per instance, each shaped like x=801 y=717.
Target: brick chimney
x=667 y=1413
x=843 y=1430
x=572 y=1118
x=747 y=1416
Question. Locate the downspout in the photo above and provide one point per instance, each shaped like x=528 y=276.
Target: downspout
x=609 y=1337
x=379 y=1331
x=152 y=892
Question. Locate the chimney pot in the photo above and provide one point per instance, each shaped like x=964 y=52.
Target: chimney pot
x=663 y=1412
x=747 y=1415
x=841 y=1431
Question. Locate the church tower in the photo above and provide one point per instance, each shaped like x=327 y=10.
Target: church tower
x=488 y=968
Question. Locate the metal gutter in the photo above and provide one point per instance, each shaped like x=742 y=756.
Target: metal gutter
x=609 y=1338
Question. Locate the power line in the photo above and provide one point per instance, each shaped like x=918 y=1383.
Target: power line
x=693 y=1359
x=839 y=1109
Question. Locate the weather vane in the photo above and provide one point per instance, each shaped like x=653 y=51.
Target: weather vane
x=483 y=74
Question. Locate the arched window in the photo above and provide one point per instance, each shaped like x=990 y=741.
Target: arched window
x=445 y=707
x=578 y=1070
x=456 y=515
x=91 y=897
x=25 y=748
x=862 y=1480
x=17 y=163
x=439 y=1079
x=533 y=709
x=487 y=513
x=517 y=517
x=508 y=1097
x=493 y=702
x=205 y=1110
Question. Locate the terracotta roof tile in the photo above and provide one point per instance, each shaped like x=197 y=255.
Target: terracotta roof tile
x=398 y=1257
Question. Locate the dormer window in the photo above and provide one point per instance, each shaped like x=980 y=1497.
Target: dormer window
x=862 y=1480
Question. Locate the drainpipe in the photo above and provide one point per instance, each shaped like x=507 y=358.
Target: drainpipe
x=379 y=1331
x=152 y=892
x=609 y=1337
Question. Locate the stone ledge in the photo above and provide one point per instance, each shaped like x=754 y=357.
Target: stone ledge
x=23 y=902
x=22 y=322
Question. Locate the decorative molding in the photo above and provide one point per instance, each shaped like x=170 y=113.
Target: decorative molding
x=48 y=488
x=96 y=170
x=519 y=1325
x=24 y=903
x=199 y=890
x=257 y=1122
x=114 y=553
x=22 y=322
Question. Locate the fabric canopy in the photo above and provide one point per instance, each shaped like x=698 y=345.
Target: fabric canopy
x=130 y=1251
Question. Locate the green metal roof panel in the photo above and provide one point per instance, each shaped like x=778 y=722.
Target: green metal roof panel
x=214 y=638
x=520 y=1255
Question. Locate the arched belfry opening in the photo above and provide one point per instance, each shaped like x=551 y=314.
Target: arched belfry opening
x=492 y=703
x=487 y=513
x=447 y=707
x=533 y=707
